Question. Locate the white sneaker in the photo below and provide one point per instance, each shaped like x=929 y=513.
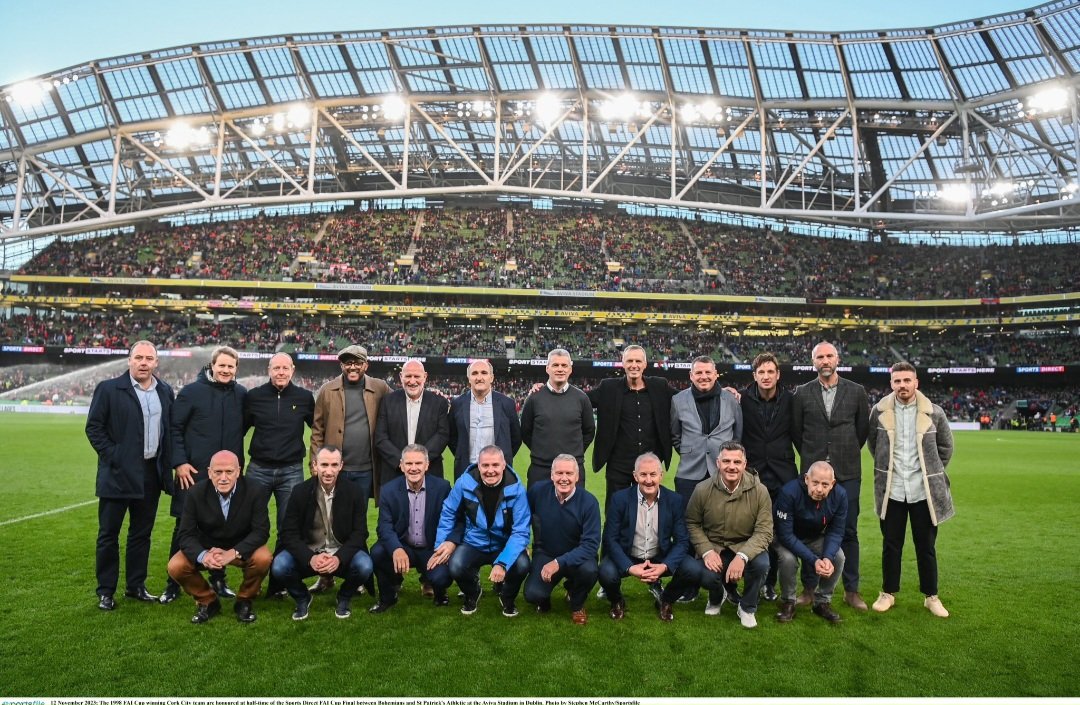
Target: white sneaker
x=933 y=604
x=713 y=608
x=601 y=594
x=885 y=601
x=748 y=619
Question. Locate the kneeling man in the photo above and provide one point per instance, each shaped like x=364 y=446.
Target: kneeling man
x=409 y=509
x=224 y=523
x=811 y=513
x=324 y=534
x=489 y=510
x=566 y=537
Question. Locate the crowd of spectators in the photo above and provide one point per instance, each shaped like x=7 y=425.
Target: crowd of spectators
x=570 y=251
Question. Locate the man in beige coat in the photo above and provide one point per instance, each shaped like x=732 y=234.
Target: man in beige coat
x=346 y=409
x=912 y=443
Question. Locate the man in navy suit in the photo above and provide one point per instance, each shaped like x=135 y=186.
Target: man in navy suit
x=644 y=537
x=411 y=415
x=409 y=510
x=482 y=417
x=225 y=522
x=128 y=426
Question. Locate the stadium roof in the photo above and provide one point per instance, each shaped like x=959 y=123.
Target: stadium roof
x=966 y=126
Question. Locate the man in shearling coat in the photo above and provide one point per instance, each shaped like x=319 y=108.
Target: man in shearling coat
x=912 y=443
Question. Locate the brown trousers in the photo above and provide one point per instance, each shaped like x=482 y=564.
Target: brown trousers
x=189 y=576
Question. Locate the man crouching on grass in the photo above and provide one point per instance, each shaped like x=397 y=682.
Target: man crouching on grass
x=225 y=522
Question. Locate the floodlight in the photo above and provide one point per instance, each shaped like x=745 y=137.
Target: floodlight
x=1001 y=188
x=548 y=108
x=1049 y=99
x=689 y=112
x=955 y=193
x=29 y=93
x=621 y=108
x=299 y=115
x=393 y=107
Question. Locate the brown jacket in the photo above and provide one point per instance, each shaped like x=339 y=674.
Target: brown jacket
x=328 y=427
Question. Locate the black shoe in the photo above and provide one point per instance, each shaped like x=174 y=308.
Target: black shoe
x=787 y=612
x=276 y=593
x=106 y=603
x=172 y=592
x=544 y=607
x=733 y=595
x=342 y=610
x=768 y=593
x=442 y=600
x=469 y=605
x=140 y=594
x=380 y=607
x=324 y=583
x=656 y=590
x=303 y=606
x=222 y=588
x=509 y=609
x=687 y=597
x=244 y=613
x=826 y=612
x=496 y=588
x=204 y=613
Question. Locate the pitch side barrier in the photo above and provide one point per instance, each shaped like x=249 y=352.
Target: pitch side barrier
x=326 y=364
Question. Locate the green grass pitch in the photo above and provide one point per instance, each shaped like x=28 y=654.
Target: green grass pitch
x=1009 y=564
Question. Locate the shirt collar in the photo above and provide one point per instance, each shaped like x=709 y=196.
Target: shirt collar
x=138 y=387
x=641 y=498
x=569 y=497
x=423 y=486
x=564 y=390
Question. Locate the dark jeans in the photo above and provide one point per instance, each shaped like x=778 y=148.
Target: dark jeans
x=685 y=488
x=616 y=480
x=580 y=580
x=611 y=579
x=278 y=481
x=142 y=513
x=362 y=480
x=694 y=573
x=389 y=581
x=894 y=533
x=289 y=572
x=465 y=565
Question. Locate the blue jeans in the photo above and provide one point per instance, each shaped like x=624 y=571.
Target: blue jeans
x=277 y=481
x=287 y=571
x=439 y=577
x=580 y=580
x=465 y=565
x=693 y=572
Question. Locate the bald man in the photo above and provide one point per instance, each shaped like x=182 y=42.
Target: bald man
x=278 y=411
x=412 y=414
x=224 y=523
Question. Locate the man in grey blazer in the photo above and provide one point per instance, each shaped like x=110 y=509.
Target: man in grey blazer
x=831 y=421
x=703 y=417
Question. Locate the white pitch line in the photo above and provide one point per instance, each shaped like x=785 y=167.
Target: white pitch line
x=45 y=514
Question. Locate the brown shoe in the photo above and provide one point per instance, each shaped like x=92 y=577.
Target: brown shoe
x=618 y=609
x=786 y=613
x=666 y=615
x=580 y=617
x=854 y=601
x=426 y=590
x=826 y=612
x=805 y=599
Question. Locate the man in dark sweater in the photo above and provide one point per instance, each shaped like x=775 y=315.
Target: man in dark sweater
x=278 y=411
x=557 y=419
x=566 y=537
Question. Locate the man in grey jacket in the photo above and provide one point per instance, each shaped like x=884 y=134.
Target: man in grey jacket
x=703 y=417
x=912 y=443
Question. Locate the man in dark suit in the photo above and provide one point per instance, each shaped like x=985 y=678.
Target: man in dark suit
x=633 y=416
x=830 y=422
x=482 y=417
x=409 y=511
x=648 y=551
x=128 y=426
x=411 y=415
x=766 y=435
x=324 y=533
x=225 y=522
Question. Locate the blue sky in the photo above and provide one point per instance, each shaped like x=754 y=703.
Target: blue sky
x=43 y=37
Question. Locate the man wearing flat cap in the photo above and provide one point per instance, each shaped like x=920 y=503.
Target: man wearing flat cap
x=346 y=408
